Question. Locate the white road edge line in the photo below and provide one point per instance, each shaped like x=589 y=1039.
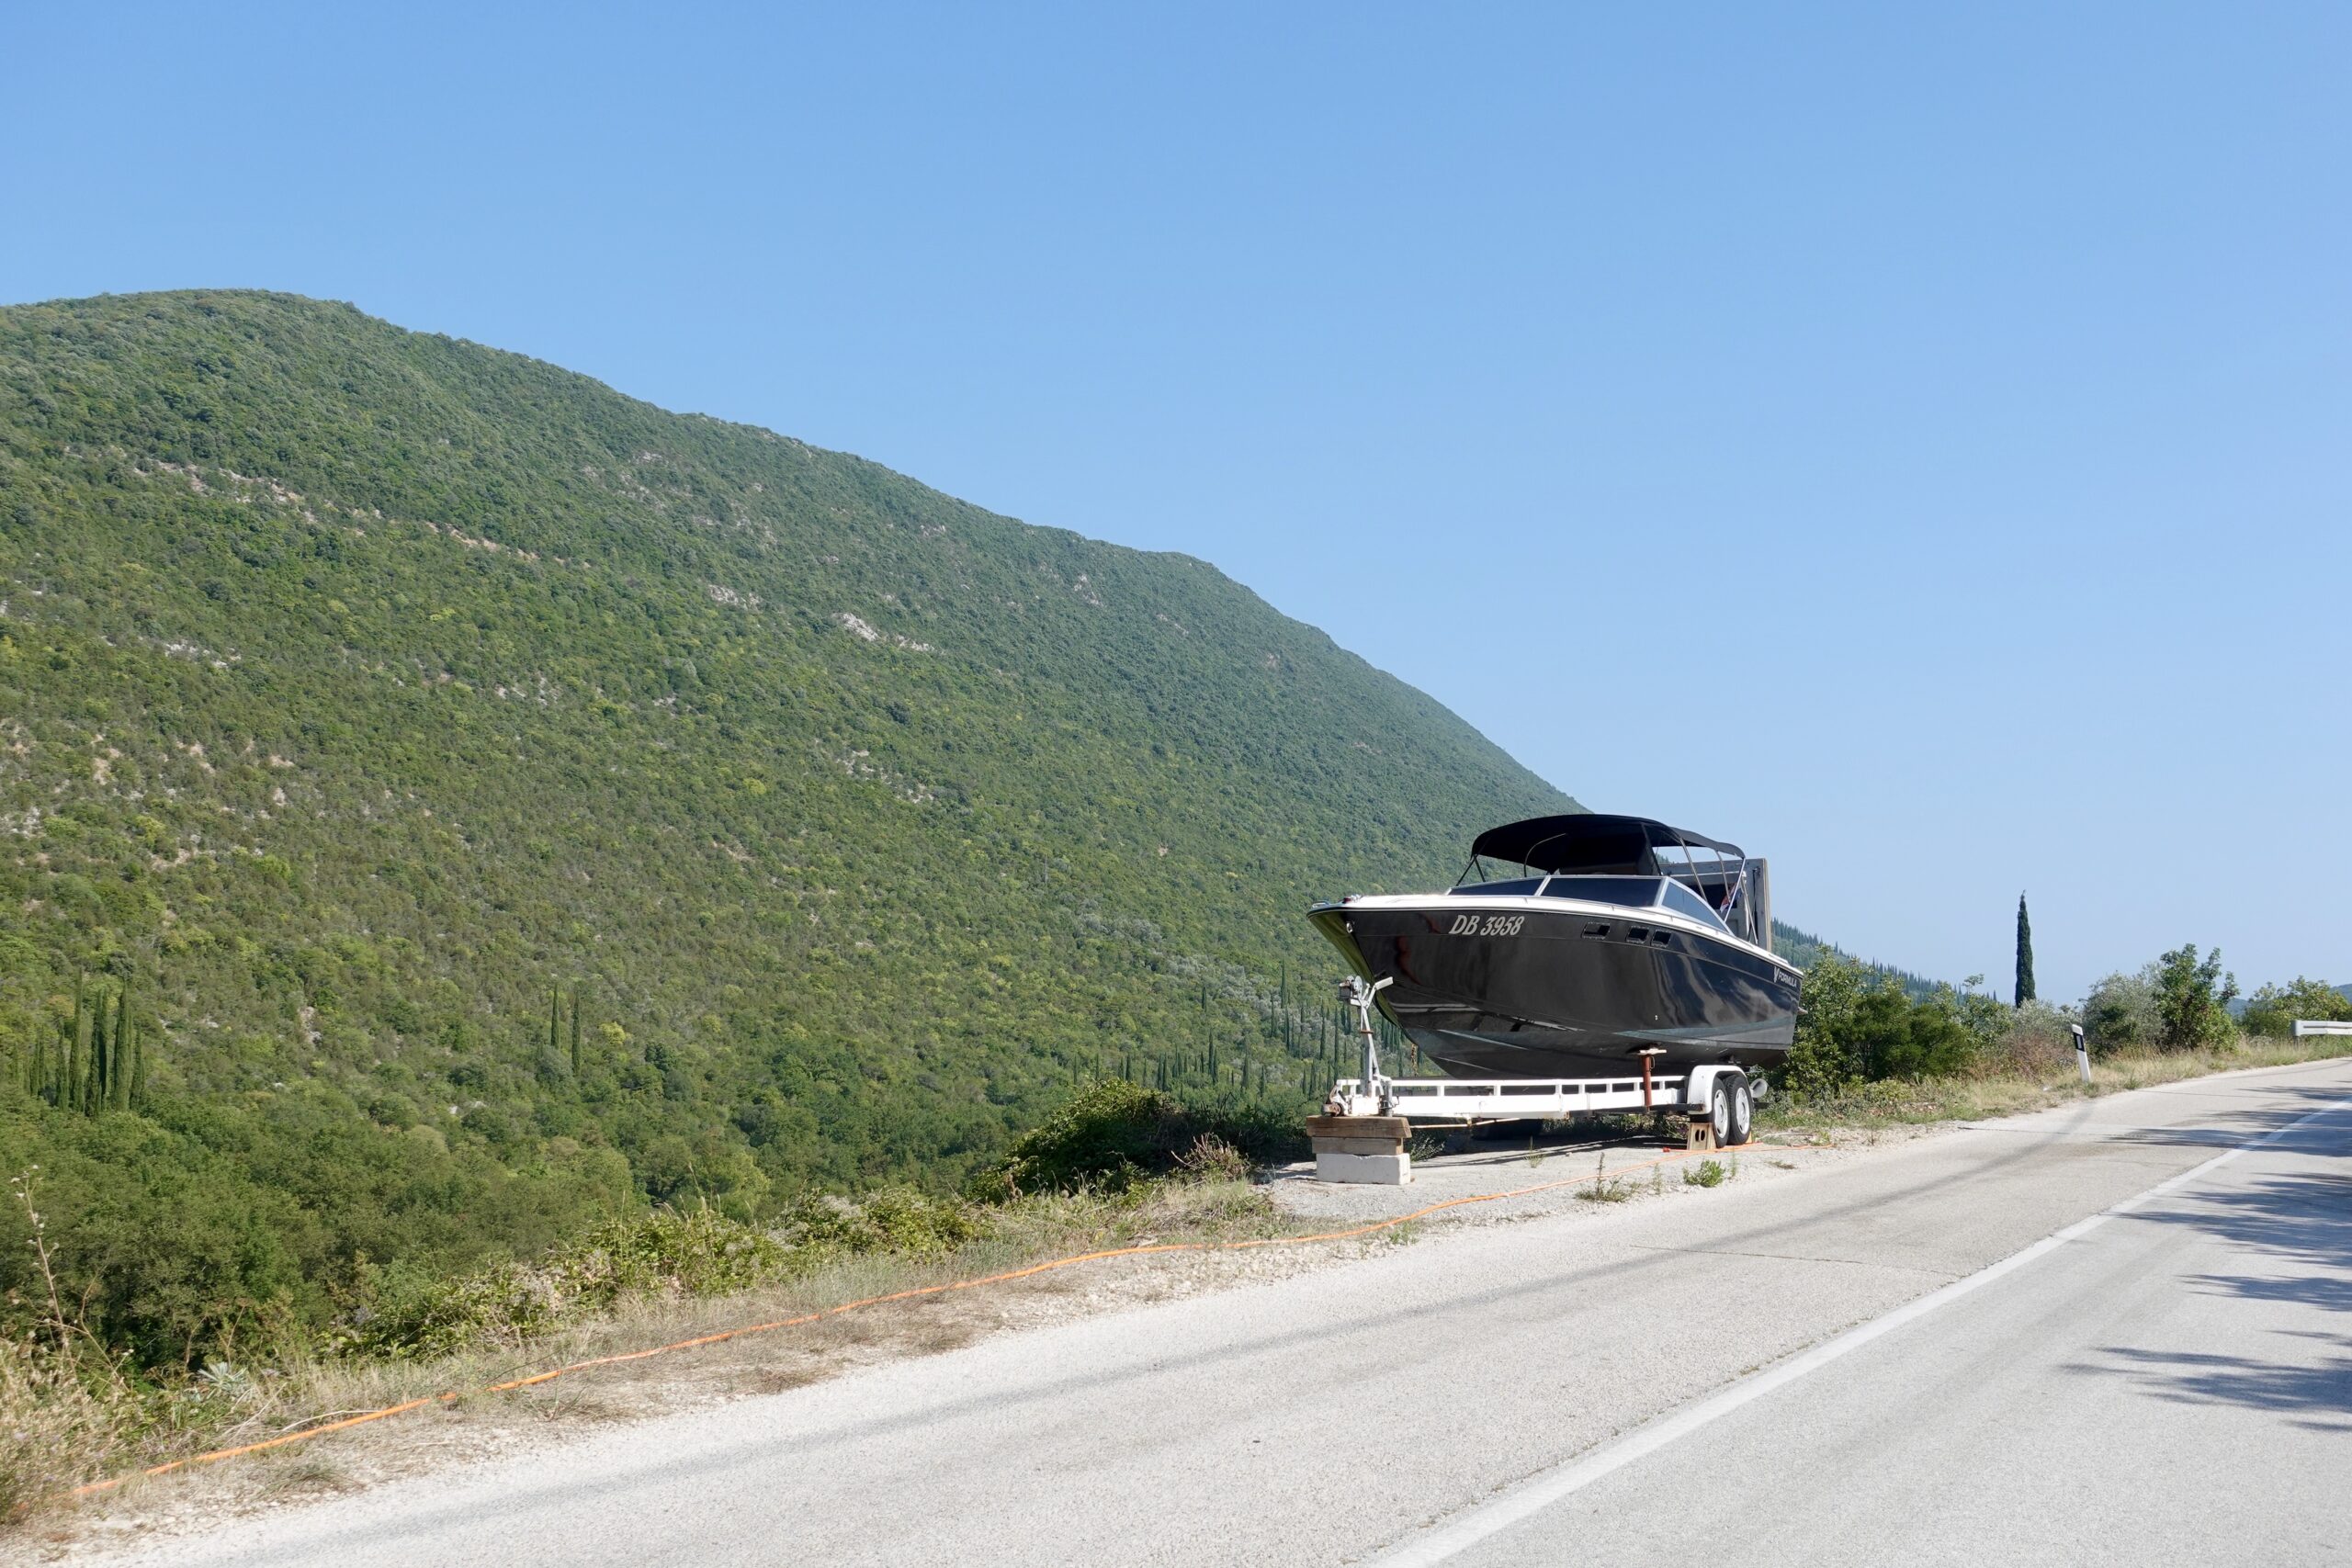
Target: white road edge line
x=1532 y=1496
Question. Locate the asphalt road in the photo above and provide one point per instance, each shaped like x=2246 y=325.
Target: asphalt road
x=1849 y=1365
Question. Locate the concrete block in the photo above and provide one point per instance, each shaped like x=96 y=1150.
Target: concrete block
x=1371 y=1170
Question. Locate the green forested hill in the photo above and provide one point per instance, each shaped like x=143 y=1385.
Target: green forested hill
x=360 y=688
x=1805 y=949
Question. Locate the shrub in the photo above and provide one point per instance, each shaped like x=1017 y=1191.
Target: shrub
x=2192 y=999
x=1605 y=1188
x=894 y=1219
x=1820 y=1063
x=2121 y=1011
x=1105 y=1138
x=1112 y=1134
x=2273 y=1010
x=2039 y=1040
x=1211 y=1158
x=694 y=1253
x=1852 y=1030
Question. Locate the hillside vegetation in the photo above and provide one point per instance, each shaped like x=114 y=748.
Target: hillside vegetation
x=492 y=802
x=1808 y=952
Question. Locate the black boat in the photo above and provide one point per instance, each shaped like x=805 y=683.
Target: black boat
x=1619 y=936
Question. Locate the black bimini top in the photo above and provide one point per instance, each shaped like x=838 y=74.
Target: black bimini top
x=1590 y=842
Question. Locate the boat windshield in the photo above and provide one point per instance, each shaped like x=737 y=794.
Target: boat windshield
x=1683 y=901
x=1634 y=892
x=1517 y=887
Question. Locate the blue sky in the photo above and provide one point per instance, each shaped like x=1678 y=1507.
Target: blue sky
x=1916 y=445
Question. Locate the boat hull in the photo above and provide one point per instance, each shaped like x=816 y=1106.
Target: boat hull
x=1504 y=991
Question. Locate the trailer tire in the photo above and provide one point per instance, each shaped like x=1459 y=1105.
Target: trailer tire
x=1743 y=1110
x=1719 y=1112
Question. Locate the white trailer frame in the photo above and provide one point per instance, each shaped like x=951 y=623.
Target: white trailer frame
x=1505 y=1100
x=1375 y=1093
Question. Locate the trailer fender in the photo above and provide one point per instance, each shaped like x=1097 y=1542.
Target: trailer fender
x=1700 y=1086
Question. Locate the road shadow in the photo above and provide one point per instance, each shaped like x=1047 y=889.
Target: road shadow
x=2291 y=1235
x=2317 y=1394
x=2282 y=1108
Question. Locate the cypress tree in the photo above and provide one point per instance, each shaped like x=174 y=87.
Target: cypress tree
x=2025 y=955
x=138 y=1071
x=109 y=1056
x=575 y=1030
x=77 y=1053
x=102 y=1054
x=126 y=1048
x=118 y=1055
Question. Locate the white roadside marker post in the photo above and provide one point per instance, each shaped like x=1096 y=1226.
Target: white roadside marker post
x=2082 y=1054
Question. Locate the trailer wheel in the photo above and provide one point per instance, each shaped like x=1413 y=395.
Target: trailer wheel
x=1743 y=1110
x=1719 y=1111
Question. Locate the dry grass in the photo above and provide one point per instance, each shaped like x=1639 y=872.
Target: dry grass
x=59 y=1426
x=2032 y=1075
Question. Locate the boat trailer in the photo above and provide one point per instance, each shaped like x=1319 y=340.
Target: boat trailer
x=1362 y=1135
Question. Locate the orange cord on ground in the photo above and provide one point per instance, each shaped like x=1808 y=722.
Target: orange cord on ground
x=449 y=1398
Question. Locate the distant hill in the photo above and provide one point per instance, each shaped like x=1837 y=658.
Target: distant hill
x=1805 y=949
x=361 y=688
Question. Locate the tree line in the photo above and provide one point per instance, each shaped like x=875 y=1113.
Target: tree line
x=93 y=1060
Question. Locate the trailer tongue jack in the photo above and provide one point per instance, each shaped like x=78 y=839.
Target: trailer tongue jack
x=1356 y=1139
